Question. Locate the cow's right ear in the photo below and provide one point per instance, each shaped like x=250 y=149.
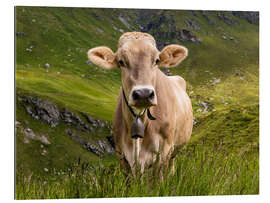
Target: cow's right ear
x=103 y=57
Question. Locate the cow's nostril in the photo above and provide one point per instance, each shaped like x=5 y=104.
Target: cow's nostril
x=152 y=94
x=135 y=95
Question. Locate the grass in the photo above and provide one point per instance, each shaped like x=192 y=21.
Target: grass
x=222 y=157
x=198 y=172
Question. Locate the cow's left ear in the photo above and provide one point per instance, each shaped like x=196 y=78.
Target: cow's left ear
x=172 y=55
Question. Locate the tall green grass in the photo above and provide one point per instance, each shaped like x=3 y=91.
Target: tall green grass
x=198 y=172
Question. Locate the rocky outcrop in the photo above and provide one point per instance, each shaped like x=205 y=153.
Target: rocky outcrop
x=205 y=14
x=191 y=24
x=251 y=16
x=99 y=147
x=49 y=113
x=162 y=27
x=20 y=34
x=222 y=16
x=96 y=16
x=42 y=110
x=28 y=134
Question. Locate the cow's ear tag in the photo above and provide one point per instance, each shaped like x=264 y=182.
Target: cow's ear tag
x=137 y=128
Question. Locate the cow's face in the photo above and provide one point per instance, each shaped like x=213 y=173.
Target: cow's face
x=139 y=61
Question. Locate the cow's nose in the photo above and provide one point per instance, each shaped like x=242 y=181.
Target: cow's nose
x=143 y=94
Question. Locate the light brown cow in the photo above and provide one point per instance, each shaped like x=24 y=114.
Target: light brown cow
x=169 y=119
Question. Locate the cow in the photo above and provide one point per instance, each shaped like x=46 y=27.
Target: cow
x=154 y=113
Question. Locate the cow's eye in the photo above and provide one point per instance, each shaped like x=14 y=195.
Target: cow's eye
x=157 y=61
x=121 y=63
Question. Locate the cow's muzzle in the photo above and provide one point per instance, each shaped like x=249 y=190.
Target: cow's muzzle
x=143 y=97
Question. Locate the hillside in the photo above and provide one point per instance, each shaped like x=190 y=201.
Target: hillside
x=65 y=105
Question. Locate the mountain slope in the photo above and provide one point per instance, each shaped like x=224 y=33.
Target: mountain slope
x=51 y=66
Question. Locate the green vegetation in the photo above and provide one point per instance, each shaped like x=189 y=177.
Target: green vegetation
x=222 y=157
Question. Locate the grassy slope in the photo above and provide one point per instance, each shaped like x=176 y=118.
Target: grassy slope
x=227 y=135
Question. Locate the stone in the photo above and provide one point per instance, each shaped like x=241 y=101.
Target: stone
x=20 y=34
x=191 y=24
x=239 y=74
x=205 y=106
x=251 y=16
x=210 y=21
x=225 y=18
x=93 y=148
x=124 y=21
x=47 y=65
x=215 y=81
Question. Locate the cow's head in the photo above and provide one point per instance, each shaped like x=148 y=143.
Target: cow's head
x=139 y=59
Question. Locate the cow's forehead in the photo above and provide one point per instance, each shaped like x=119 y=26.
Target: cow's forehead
x=130 y=36
x=137 y=46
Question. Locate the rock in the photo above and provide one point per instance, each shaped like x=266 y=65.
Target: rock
x=239 y=74
x=29 y=110
x=47 y=65
x=186 y=35
x=96 y=15
x=44 y=152
x=222 y=16
x=28 y=50
x=215 y=81
x=44 y=140
x=191 y=24
x=48 y=112
x=29 y=134
x=100 y=30
x=251 y=16
x=43 y=110
x=224 y=37
x=93 y=148
x=210 y=21
x=105 y=146
x=205 y=106
x=124 y=21
x=193 y=13
x=20 y=34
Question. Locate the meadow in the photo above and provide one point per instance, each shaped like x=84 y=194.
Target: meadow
x=222 y=157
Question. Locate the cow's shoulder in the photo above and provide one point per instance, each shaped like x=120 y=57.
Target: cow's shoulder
x=178 y=80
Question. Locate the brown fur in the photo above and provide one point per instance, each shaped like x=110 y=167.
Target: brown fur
x=173 y=110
